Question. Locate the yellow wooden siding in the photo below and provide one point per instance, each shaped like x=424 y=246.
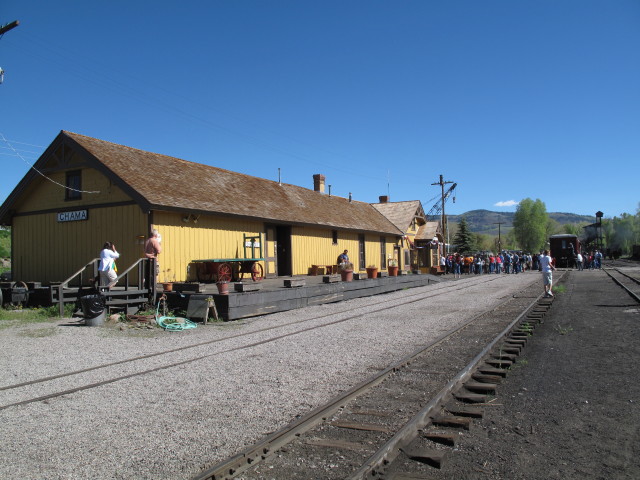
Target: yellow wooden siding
x=43 y=194
x=314 y=246
x=50 y=251
x=212 y=237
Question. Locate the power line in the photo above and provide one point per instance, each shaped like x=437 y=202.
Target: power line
x=17 y=154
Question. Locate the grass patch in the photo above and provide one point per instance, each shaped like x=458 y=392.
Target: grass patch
x=25 y=316
x=559 y=289
x=523 y=362
x=39 y=332
x=563 y=330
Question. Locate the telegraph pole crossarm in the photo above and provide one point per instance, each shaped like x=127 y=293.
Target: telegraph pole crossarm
x=8 y=26
x=442 y=183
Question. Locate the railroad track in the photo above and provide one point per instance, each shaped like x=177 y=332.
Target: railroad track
x=405 y=418
x=71 y=382
x=628 y=282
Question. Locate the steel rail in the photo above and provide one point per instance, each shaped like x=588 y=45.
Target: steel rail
x=387 y=453
x=261 y=449
x=632 y=294
x=209 y=355
x=231 y=337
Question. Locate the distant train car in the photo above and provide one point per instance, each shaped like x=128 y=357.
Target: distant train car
x=564 y=249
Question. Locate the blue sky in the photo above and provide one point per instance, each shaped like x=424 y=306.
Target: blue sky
x=509 y=99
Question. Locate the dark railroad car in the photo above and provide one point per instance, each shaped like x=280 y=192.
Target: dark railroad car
x=564 y=249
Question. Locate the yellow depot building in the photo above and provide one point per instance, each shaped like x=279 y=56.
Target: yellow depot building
x=83 y=191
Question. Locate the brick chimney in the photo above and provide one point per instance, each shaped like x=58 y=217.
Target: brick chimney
x=318 y=183
x=384 y=198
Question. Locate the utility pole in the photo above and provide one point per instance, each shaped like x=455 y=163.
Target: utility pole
x=9 y=26
x=3 y=30
x=442 y=183
x=499 y=240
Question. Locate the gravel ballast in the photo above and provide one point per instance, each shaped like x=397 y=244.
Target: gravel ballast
x=175 y=422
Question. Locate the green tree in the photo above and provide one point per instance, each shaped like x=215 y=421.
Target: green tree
x=486 y=242
x=5 y=243
x=464 y=239
x=573 y=229
x=531 y=224
x=621 y=233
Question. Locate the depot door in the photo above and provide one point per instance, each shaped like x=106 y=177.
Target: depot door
x=271 y=252
x=283 y=249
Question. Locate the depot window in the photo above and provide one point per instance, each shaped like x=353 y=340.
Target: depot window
x=74 y=185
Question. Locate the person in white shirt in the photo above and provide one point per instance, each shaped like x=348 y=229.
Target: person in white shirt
x=546 y=266
x=579 y=261
x=108 y=273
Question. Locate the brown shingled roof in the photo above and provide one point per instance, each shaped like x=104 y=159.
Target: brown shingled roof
x=400 y=213
x=170 y=183
x=428 y=231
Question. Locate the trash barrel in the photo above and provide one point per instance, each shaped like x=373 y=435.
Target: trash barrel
x=93 y=309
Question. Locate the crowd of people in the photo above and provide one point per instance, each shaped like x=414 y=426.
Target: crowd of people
x=589 y=260
x=512 y=262
x=485 y=263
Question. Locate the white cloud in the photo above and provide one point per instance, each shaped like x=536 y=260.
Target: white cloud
x=508 y=203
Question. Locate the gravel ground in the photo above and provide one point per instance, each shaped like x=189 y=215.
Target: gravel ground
x=175 y=422
x=571 y=409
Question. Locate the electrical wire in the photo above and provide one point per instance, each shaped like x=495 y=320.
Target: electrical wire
x=109 y=82
x=17 y=154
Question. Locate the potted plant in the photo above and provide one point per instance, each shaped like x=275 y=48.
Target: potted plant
x=223 y=287
x=392 y=267
x=372 y=271
x=167 y=285
x=346 y=271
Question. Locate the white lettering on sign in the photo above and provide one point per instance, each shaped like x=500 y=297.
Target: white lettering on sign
x=255 y=244
x=73 y=216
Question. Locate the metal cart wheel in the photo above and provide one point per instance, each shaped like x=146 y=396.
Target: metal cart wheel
x=257 y=272
x=225 y=272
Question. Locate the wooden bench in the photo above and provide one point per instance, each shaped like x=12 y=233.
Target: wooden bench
x=323 y=270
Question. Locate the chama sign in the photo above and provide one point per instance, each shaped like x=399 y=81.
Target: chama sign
x=73 y=216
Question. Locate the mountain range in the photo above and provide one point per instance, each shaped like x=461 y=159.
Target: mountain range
x=485 y=221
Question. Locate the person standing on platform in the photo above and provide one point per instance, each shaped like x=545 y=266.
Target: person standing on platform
x=152 y=249
x=107 y=266
x=547 y=268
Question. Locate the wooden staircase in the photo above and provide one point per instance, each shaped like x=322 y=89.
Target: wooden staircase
x=124 y=295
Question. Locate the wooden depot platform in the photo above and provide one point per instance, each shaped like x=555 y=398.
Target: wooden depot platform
x=301 y=291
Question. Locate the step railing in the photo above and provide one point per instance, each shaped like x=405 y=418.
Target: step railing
x=145 y=269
